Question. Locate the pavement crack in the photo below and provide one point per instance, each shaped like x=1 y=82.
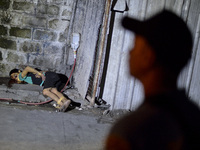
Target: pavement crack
x=65 y=137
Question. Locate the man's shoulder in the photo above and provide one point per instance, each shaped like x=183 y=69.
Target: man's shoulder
x=166 y=116
x=139 y=119
x=147 y=125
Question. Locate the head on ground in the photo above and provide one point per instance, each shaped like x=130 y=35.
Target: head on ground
x=14 y=74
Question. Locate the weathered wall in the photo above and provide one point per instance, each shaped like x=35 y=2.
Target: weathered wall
x=88 y=21
x=34 y=32
x=121 y=90
x=125 y=92
x=38 y=32
x=194 y=68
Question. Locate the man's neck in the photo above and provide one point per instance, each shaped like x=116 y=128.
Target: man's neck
x=155 y=83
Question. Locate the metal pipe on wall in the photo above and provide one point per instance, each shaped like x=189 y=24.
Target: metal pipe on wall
x=101 y=49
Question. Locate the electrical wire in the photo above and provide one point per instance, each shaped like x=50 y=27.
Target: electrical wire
x=6 y=99
x=69 y=76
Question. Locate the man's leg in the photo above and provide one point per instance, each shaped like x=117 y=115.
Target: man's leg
x=47 y=92
x=61 y=100
x=56 y=92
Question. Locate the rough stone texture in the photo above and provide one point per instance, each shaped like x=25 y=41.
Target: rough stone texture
x=47 y=9
x=41 y=9
x=4 y=4
x=1 y=57
x=3 y=30
x=66 y=12
x=24 y=6
x=7 y=44
x=62 y=37
x=30 y=93
x=17 y=19
x=53 y=49
x=5 y=17
x=23 y=33
x=28 y=47
x=37 y=30
x=2 y=67
x=38 y=22
x=16 y=58
x=53 y=10
x=26 y=93
x=44 y=35
x=61 y=25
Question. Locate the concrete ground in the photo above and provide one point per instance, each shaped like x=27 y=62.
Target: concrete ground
x=25 y=127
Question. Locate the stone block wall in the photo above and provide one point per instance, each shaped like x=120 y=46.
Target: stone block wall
x=35 y=33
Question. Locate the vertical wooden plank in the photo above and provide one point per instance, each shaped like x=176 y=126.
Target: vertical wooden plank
x=174 y=5
x=87 y=21
x=100 y=51
x=123 y=91
x=193 y=15
x=192 y=21
x=123 y=84
x=137 y=8
x=126 y=86
x=126 y=91
x=181 y=8
x=153 y=6
x=127 y=96
x=149 y=7
x=119 y=86
x=184 y=76
x=138 y=93
x=186 y=8
x=194 y=93
x=194 y=87
x=114 y=61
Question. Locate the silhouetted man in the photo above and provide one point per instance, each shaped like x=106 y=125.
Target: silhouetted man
x=167 y=119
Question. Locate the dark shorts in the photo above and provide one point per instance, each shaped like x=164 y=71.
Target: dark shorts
x=52 y=80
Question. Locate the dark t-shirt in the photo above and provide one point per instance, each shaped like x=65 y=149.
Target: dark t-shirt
x=31 y=79
x=163 y=122
x=52 y=79
x=35 y=80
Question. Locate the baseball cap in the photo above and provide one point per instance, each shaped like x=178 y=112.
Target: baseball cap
x=169 y=36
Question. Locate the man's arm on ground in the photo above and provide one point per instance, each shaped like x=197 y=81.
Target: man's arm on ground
x=29 y=69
